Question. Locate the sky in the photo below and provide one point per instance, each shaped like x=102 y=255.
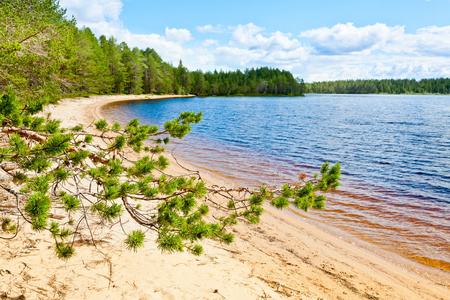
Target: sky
x=317 y=40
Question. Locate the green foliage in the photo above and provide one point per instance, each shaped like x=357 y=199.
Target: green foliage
x=280 y=202
x=101 y=125
x=38 y=207
x=52 y=126
x=8 y=226
x=135 y=240
x=55 y=145
x=116 y=127
x=71 y=203
x=330 y=177
x=35 y=46
x=383 y=86
x=9 y=109
x=105 y=211
x=252 y=82
x=64 y=251
x=39 y=184
x=179 y=127
x=60 y=174
x=306 y=197
x=119 y=143
x=79 y=156
x=88 y=139
x=77 y=128
x=18 y=145
x=142 y=167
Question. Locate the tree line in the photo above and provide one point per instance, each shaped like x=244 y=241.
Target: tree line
x=383 y=86
x=43 y=53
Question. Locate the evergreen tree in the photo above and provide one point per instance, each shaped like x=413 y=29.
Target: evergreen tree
x=87 y=178
x=116 y=66
x=36 y=48
x=150 y=72
x=90 y=68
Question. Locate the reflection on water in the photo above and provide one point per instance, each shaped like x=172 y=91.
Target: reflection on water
x=394 y=153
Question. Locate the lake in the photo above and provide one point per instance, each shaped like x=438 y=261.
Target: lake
x=394 y=152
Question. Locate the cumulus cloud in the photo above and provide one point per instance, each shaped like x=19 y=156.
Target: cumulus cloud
x=346 y=38
x=251 y=36
x=210 y=42
x=210 y=28
x=431 y=40
x=178 y=35
x=91 y=11
x=250 y=45
x=238 y=57
x=247 y=36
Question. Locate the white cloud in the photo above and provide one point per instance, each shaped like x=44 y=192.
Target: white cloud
x=92 y=11
x=247 y=36
x=434 y=41
x=238 y=57
x=251 y=46
x=380 y=66
x=210 y=28
x=210 y=42
x=178 y=35
x=168 y=46
x=250 y=36
x=346 y=38
x=205 y=59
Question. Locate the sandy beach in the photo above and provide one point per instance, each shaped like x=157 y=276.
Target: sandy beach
x=280 y=258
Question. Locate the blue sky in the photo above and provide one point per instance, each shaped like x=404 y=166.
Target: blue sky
x=315 y=40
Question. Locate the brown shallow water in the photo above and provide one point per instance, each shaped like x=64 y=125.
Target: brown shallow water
x=348 y=215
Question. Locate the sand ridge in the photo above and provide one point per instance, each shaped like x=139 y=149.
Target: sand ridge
x=280 y=258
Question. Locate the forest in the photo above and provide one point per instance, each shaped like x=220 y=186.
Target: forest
x=383 y=86
x=43 y=53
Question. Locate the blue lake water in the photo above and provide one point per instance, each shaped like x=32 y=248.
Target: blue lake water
x=394 y=152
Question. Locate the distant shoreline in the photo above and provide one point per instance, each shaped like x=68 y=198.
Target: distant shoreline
x=384 y=94
x=127 y=98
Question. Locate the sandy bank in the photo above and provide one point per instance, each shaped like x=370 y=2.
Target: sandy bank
x=280 y=258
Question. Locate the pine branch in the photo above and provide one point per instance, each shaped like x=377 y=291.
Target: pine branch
x=96 y=184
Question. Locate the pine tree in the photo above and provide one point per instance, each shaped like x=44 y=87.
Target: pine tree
x=35 y=48
x=86 y=176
